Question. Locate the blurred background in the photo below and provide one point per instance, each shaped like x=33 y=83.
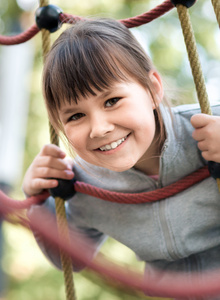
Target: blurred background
x=24 y=272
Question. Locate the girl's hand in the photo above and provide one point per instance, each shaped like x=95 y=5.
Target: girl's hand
x=48 y=164
x=207 y=133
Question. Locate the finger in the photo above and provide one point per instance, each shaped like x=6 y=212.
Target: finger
x=198 y=135
x=200 y=120
x=203 y=146
x=48 y=173
x=209 y=156
x=52 y=150
x=51 y=162
x=40 y=184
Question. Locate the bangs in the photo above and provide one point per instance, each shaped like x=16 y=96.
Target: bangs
x=80 y=68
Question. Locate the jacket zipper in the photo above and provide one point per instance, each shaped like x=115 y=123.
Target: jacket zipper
x=164 y=225
x=166 y=232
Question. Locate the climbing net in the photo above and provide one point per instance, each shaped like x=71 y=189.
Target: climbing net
x=49 y=18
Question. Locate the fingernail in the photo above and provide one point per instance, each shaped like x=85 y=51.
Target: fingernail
x=69 y=172
x=69 y=167
x=62 y=154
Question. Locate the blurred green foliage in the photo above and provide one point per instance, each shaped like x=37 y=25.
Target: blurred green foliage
x=30 y=275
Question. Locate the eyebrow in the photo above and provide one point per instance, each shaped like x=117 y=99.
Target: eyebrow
x=114 y=89
x=105 y=94
x=66 y=111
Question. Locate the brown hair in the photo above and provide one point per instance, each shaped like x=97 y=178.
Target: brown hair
x=91 y=55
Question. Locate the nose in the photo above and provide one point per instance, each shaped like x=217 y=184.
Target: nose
x=100 y=125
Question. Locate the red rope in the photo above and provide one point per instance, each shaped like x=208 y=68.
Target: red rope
x=11 y=204
x=137 y=198
x=133 y=21
x=171 y=285
x=148 y=16
x=70 y=19
x=67 y=18
x=20 y=38
x=126 y=198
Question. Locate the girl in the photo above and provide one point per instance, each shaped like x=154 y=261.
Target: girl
x=105 y=96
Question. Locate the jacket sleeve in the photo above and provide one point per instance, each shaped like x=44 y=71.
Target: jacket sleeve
x=216 y=109
x=92 y=237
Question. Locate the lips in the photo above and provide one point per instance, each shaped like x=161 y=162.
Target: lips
x=113 y=145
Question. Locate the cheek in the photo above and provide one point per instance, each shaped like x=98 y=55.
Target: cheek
x=141 y=120
x=147 y=129
x=75 y=138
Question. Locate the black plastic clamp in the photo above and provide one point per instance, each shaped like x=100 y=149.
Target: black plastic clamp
x=64 y=190
x=214 y=169
x=48 y=17
x=187 y=3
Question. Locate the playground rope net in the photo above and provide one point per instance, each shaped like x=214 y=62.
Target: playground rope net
x=77 y=249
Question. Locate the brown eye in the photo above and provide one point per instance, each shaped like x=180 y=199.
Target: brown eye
x=112 y=101
x=76 y=117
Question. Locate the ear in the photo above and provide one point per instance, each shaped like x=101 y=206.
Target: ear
x=157 y=86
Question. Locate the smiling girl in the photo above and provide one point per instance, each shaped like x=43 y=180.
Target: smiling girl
x=105 y=96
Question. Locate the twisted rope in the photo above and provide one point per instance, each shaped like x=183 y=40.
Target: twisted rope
x=63 y=232
x=195 y=64
x=145 y=18
x=19 y=38
x=194 y=58
x=59 y=203
x=71 y=19
x=136 y=21
x=11 y=204
x=216 y=6
x=137 y=198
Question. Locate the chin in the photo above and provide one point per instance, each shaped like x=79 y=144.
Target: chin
x=120 y=168
x=114 y=166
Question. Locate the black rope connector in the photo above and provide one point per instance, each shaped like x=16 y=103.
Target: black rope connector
x=64 y=190
x=48 y=17
x=187 y=3
x=214 y=169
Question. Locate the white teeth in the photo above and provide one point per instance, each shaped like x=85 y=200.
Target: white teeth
x=113 y=145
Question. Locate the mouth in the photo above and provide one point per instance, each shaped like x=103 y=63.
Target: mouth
x=113 y=145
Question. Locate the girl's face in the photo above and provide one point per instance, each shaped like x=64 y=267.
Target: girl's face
x=115 y=128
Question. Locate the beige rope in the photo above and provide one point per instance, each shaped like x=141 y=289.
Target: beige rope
x=194 y=61
x=59 y=203
x=65 y=259
x=194 y=58
x=216 y=6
